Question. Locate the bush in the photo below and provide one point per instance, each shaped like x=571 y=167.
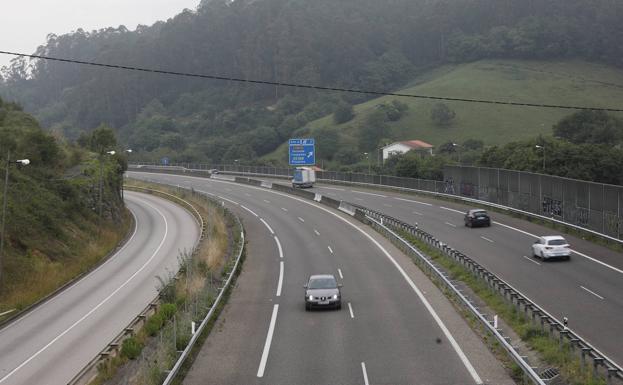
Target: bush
x=154 y=324
x=167 y=311
x=131 y=348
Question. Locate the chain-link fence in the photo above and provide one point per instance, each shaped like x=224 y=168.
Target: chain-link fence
x=593 y=206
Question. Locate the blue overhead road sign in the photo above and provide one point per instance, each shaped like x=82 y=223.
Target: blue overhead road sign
x=302 y=152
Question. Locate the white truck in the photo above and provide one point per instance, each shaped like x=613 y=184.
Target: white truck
x=303 y=177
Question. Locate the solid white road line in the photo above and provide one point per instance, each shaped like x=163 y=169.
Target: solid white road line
x=269 y=340
x=367 y=193
x=166 y=232
x=340 y=272
x=412 y=201
x=574 y=251
x=225 y=199
x=449 y=209
x=405 y=276
x=280 y=279
x=316 y=231
x=350 y=309
x=332 y=188
x=365 y=373
x=284 y=209
x=301 y=219
x=487 y=239
x=531 y=260
x=330 y=249
x=592 y=292
x=279 y=247
x=267 y=226
x=450 y=224
x=249 y=210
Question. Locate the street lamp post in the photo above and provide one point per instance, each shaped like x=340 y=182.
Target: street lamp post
x=21 y=162
x=543 y=149
x=101 y=187
x=128 y=151
x=458 y=151
x=368 y=158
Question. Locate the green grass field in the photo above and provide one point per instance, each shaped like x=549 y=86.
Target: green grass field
x=574 y=83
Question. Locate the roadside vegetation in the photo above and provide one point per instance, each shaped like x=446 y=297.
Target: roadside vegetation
x=184 y=297
x=53 y=230
x=548 y=349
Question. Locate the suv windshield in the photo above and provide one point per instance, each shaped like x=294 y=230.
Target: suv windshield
x=557 y=242
x=322 y=283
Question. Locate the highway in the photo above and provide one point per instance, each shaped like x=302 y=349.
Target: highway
x=587 y=289
x=395 y=327
x=53 y=342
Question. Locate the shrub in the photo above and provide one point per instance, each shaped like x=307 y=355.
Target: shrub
x=154 y=324
x=131 y=348
x=167 y=311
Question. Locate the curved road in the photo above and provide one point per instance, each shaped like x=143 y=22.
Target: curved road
x=394 y=326
x=53 y=342
x=587 y=290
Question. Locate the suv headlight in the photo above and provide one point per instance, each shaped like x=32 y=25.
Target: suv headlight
x=311 y=297
x=334 y=296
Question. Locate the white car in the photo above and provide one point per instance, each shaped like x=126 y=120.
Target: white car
x=551 y=246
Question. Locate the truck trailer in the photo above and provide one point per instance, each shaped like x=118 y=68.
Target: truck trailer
x=303 y=177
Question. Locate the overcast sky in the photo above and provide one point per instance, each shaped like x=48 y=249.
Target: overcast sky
x=25 y=24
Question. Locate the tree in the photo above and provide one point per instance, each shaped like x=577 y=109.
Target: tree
x=102 y=140
x=441 y=114
x=590 y=127
x=372 y=131
x=344 y=112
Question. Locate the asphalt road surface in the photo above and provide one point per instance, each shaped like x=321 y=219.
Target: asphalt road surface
x=587 y=289
x=394 y=326
x=53 y=342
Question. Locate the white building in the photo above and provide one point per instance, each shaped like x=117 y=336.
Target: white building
x=406 y=146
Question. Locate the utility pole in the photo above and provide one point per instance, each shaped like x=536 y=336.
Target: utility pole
x=23 y=162
x=4 y=199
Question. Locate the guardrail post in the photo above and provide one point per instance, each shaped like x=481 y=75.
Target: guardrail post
x=596 y=362
x=562 y=334
x=543 y=318
x=612 y=372
x=585 y=351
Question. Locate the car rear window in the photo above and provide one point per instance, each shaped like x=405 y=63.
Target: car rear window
x=557 y=242
x=480 y=214
x=322 y=283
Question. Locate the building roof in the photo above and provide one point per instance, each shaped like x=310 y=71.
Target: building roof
x=417 y=144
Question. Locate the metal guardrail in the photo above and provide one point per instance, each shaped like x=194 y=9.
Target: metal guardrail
x=180 y=361
x=432 y=269
x=431 y=187
x=88 y=373
x=508 y=292
x=537 y=314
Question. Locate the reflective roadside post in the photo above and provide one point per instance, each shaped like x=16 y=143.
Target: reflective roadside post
x=20 y=162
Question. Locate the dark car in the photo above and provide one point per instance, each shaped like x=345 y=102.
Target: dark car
x=322 y=291
x=477 y=217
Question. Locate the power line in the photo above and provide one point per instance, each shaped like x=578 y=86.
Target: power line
x=307 y=86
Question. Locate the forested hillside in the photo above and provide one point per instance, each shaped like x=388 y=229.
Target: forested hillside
x=365 y=44
x=53 y=231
